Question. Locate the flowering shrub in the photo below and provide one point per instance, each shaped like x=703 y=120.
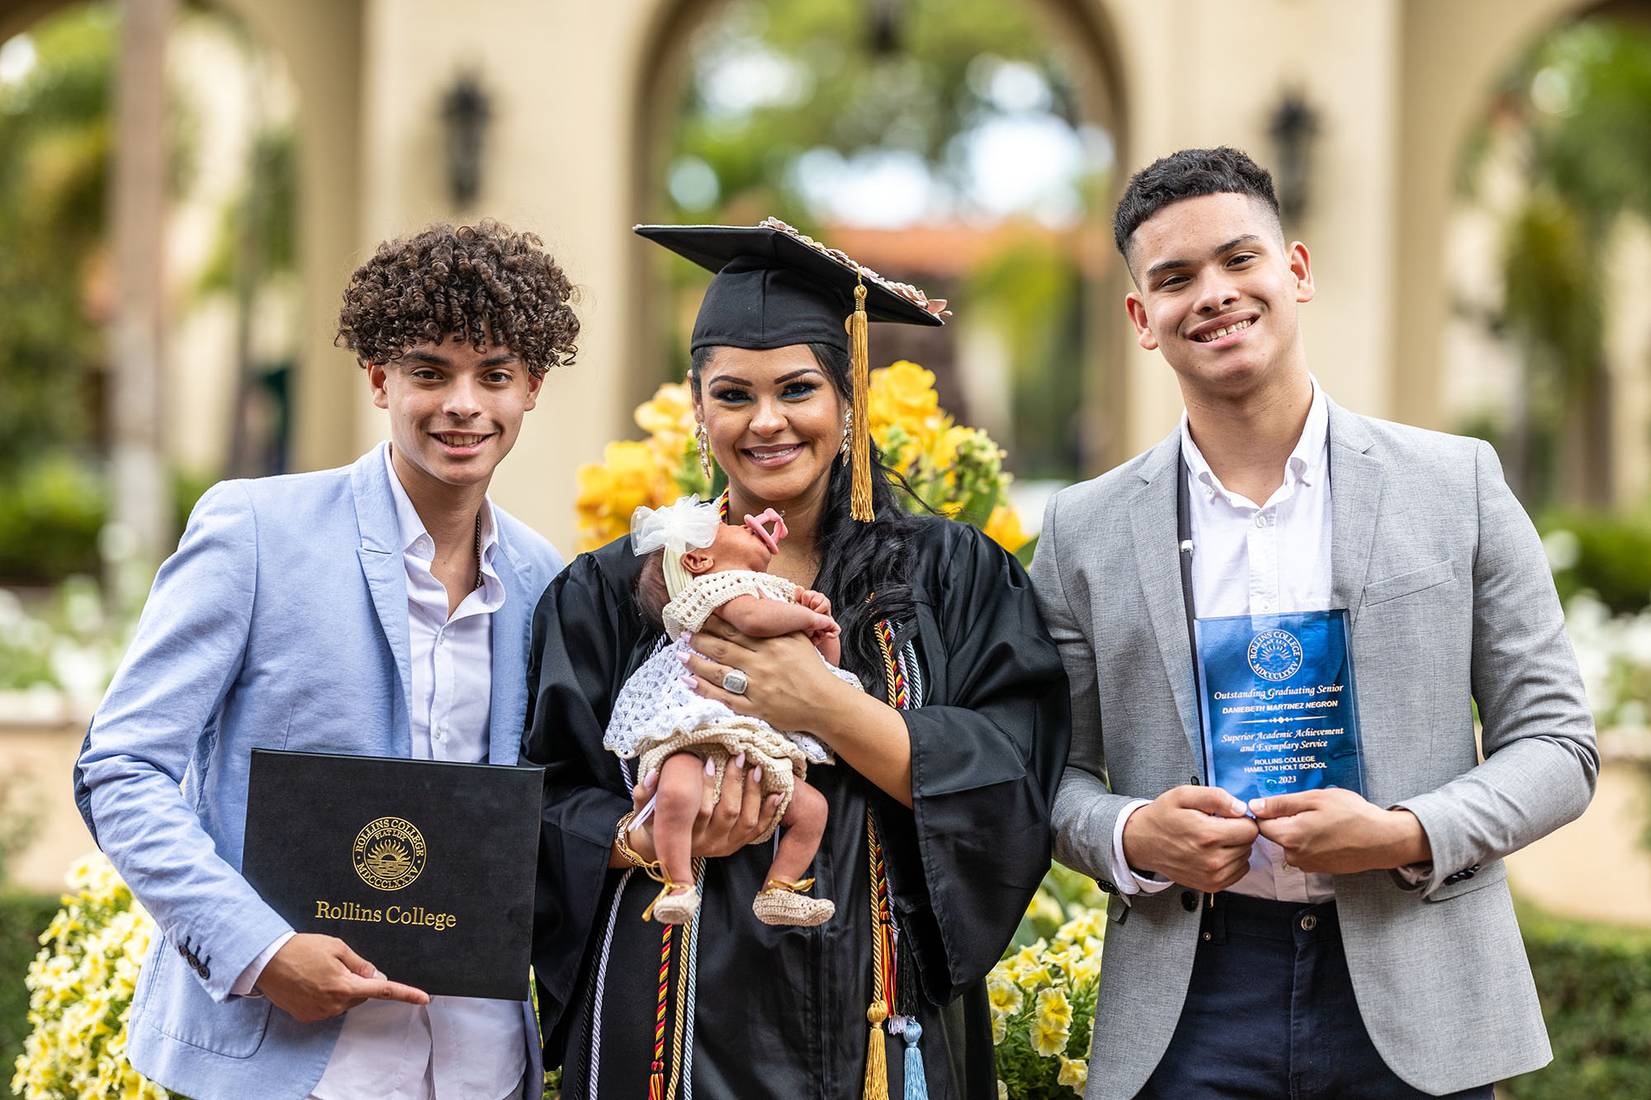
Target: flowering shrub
x=80 y=993
x=1043 y=1001
x=955 y=470
x=67 y=647
x=1614 y=655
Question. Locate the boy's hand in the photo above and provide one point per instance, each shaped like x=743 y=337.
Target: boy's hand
x=1336 y=832
x=1196 y=836
x=317 y=977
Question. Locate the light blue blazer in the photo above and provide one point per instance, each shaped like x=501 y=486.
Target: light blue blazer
x=281 y=623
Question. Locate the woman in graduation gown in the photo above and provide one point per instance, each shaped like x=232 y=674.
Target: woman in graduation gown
x=939 y=809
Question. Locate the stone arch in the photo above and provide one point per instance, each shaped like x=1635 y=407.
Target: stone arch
x=1443 y=92
x=320 y=42
x=1088 y=27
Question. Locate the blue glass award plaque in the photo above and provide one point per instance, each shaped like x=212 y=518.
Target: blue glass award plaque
x=1280 y=714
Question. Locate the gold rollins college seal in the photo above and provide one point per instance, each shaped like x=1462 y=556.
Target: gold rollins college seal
x=388 y=853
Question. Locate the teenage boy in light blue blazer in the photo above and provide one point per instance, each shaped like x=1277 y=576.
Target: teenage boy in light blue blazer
x=379 y=609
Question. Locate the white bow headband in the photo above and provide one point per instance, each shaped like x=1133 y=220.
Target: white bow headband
x=675 y=528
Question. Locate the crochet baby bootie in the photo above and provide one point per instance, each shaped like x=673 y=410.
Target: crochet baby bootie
x=783 y=903
x=674 y=908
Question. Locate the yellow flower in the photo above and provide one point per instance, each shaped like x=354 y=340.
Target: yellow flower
x=80 y=993
x=670 y=412
x=1035 y=975
x=1054 y=1008
x=1044 y=907
x=1029 y=955
x=1090 y=924
x=630 y=476
x=902 y=393
x=1049 y=1038
x=1074 y=1074
x=87 y=871
x=999 y=1028
x=1081 y=969
x=946 y=444
x=1003 y=995
x=1003 y=528
x=636 y=478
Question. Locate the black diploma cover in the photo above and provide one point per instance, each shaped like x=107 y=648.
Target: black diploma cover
x=425 y=868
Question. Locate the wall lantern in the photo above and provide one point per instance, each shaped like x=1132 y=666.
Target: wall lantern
x=465 y=110
x=884 y=26
x=1293 y=127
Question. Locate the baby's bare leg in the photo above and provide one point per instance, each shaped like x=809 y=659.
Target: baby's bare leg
x=804 y=825
x=676 y=805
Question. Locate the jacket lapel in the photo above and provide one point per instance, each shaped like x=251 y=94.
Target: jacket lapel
x=1158 y=564
x=386 y=576
x=1355 y=493
x=511 y=623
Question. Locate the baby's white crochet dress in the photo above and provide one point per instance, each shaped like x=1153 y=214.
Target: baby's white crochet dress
x=657 y=715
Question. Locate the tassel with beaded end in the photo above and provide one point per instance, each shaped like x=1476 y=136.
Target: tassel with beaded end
x=917 y=1086
x=877 y=1059
x=656 y=1070
x=860 y=506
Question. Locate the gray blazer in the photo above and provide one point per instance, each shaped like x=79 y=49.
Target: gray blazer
x=1452 y=604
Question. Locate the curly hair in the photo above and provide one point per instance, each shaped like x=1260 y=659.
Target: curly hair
x=480 y=284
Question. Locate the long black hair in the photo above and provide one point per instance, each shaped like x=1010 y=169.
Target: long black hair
x=865 y=568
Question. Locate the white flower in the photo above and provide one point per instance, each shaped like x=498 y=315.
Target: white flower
x=1563 y=549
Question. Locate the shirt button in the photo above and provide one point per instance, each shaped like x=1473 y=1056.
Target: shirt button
x=1260 y=520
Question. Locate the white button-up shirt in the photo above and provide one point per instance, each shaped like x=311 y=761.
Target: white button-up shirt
x=454 y=1048
x=1251 y=559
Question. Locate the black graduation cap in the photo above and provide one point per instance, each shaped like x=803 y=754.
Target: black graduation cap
x=775 y=287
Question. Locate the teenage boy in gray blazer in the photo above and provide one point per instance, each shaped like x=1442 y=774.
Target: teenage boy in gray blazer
x=1318 y=943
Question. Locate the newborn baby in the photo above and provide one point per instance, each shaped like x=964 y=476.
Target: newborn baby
x=699 y=565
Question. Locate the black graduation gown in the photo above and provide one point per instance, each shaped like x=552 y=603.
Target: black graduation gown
x=780 y=1012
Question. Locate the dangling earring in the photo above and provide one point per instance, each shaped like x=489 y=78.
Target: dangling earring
x=704 y=441
x=848 y=436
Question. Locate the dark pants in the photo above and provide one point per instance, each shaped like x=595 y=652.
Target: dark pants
x=1270 y=1014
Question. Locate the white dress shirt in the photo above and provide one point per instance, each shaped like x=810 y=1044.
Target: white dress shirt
x=454 y=1048
x=1251 y=559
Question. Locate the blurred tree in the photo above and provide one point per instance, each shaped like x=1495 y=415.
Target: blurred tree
x=1031 y=289
x=55 y=144
x=1575 y=113
x=777 y=79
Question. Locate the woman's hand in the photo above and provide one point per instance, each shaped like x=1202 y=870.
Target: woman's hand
x=787 y=684
x=790 y=688
x=723 y=827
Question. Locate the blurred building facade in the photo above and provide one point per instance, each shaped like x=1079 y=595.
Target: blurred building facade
x=576 y=97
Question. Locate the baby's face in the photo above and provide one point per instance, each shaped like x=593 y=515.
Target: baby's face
x=750 y=545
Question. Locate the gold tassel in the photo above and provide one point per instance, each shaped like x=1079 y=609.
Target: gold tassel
x=877 y=1059
x=860 y=445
